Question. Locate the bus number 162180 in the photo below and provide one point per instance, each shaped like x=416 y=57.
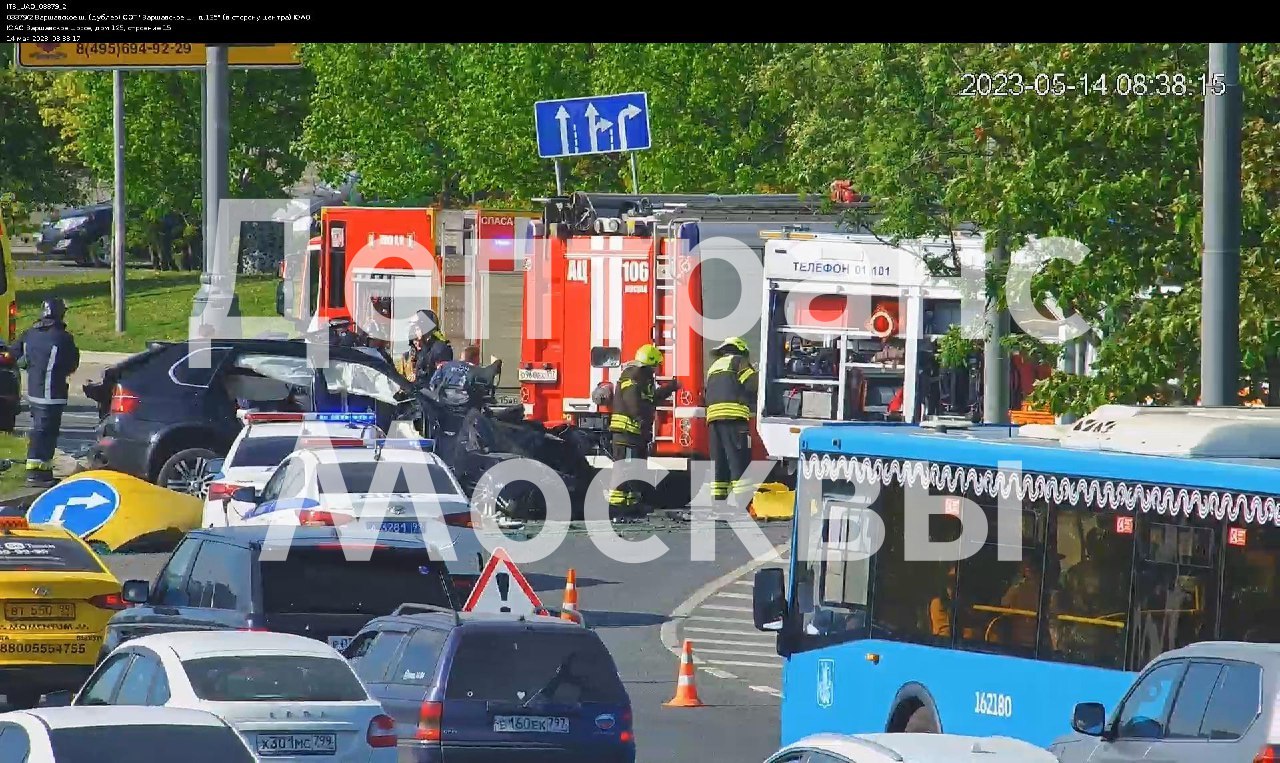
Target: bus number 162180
x=990 y=703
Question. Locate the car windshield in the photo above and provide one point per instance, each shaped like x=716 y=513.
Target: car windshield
x=274 y=678
x=54 y=554
x=127 y=743
x=518 y=665
x=384 y=477
x=263 y=451
x=322 y=581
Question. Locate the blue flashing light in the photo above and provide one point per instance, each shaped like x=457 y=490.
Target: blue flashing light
x=349 y=418
x=405 y=444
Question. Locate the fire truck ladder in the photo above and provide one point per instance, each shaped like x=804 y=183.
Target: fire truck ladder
x=664 y=325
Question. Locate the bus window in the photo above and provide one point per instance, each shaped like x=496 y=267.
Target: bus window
x=998 y=602
x=1177 y=589
x=1251 y=575
x=1088 y=602
x=905 y=588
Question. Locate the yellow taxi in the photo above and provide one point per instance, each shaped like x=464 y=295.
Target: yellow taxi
x=57 y=597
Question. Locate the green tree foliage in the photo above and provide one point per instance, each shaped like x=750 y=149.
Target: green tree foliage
x=1118 y=172
x=33 y=173
x=163 y=142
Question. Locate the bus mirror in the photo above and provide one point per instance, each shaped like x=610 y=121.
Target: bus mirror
x=769 y=599
x=1089 y=718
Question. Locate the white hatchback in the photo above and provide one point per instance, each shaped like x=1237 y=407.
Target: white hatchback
x=262 y=444
x=291 y=698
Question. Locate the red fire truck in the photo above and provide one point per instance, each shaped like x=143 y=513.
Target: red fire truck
x=373 y=265
x=609 y=273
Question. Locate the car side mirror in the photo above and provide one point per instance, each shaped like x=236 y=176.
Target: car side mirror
x=214 y=466
x=1089 y=718
x=135 y=591
x=245 y=495
x=769 y=599
x=57 y=699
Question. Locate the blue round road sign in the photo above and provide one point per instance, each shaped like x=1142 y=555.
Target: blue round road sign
x=81 y=506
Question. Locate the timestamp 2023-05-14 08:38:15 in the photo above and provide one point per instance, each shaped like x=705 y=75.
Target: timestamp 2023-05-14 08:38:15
x=1058 y=84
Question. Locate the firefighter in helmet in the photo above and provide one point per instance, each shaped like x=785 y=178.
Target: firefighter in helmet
x=631 y=424
x=730 y=395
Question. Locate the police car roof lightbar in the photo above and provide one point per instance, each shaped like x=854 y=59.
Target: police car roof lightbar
x=332 y=442
x=258 y=417
x=405 y=444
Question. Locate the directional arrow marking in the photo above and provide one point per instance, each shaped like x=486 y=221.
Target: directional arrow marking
x=595 y=126
x=89 y=502
x=562 y=116
x=630 y=112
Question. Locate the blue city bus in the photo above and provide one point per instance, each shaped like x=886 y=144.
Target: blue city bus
x=1141 y=530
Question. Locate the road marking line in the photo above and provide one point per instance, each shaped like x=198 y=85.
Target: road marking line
x=738 y=652
x=733 y=620
x=771 y=665
x=767 y=690
x=744 y=582
x=722 y=631
x=723 y=608
x=727 y=595
x=670 y=633
x=698 y=642
x=719 y=673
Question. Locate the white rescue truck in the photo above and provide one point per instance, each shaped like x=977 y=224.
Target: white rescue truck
x=850 y=329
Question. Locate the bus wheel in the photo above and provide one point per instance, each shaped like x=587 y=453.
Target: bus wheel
x=922 y=721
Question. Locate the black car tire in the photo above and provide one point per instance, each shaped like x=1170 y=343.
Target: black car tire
x=8 y=418
x=182 y=471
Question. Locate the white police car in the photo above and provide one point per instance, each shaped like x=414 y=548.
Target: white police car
x=265 y=441
x=380 y=486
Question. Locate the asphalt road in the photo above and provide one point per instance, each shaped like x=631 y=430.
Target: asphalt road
x=50 y=268
x=629 y=604
x=81 y=415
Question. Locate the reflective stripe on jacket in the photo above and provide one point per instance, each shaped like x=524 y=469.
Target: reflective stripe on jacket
x=731 y=389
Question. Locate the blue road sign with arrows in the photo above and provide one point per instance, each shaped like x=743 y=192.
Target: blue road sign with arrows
x=81 y=506
x=601 y=124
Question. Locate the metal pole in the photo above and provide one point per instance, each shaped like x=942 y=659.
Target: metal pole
x=206 y=241
x=995 y=361
x=1220 y=266
x=217 y=128
x=117 y=206
x=559 y=182
x=635 y=182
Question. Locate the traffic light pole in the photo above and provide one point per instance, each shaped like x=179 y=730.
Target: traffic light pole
x=1220 y=265
x=117 y=205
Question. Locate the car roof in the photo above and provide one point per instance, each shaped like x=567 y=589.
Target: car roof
x=301 y=429
x=189 y=645
x=303 y=536
x=1238 y=650
x=479 y=621
x=911 y=748
x=354 y=455
x=122 y=715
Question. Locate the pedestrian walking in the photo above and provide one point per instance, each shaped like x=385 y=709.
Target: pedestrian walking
x=49 y=353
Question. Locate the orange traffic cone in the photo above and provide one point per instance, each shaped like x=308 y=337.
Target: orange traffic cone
x=686 y=689
x=569 y=610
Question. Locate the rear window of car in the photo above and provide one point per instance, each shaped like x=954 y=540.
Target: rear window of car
x=189 y=744
x=519 y=665
x=273 y=678
x=263 y=451
x=364 y=477
x=55 y=554
x=322 y=581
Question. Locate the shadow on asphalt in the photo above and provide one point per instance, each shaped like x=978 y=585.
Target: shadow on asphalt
x=542 y=582
x=598 y=619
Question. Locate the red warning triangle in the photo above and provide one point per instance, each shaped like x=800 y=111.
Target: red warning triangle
x=502 y=588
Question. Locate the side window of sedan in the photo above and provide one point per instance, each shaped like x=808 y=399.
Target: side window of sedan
x=14 y=744
x=295 y=479
x=170 y=588
x=271 y=490
x=102 y=686
x=138 y=679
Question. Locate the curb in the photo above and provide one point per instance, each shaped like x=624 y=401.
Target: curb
x=668 y=632
x=105 y=358
x=21 y=500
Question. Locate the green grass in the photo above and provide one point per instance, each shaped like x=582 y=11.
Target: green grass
x=13 y=447
x=157 y=305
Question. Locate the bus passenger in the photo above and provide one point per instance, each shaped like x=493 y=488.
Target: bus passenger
x=940 y=607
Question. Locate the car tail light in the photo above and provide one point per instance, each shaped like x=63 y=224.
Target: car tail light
x=1268 y=754
x=13 y=320
x=382 y=731
x=326 y=518
x=463 y=584
x=627 y=734
x=6 y=358
x=123 y=401
x=109 y=601
x=429 y=721
x=459 y=519
x=220 y=491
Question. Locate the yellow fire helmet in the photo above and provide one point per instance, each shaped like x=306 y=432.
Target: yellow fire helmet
x=649 y=355
x=732 y=343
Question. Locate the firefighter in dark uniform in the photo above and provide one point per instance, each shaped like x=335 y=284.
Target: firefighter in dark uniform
x=50 y=355
x=433 y=348
x=631 y=423
x=731 y=395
